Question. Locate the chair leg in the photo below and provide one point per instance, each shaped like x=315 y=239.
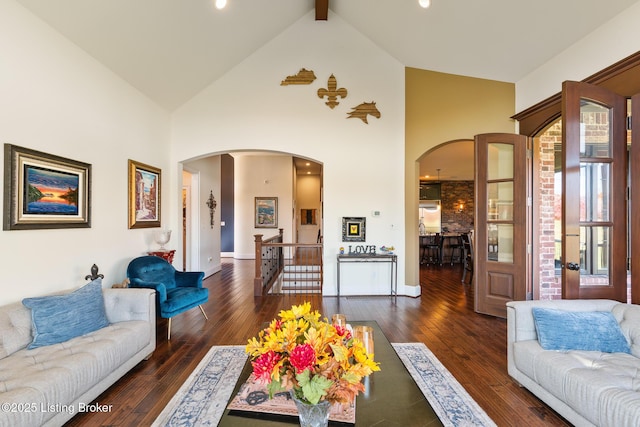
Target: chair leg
x=169 y=330
x=203 y=313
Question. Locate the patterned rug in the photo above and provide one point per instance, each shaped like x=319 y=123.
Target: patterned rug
x=202 y=399
x=449 y=400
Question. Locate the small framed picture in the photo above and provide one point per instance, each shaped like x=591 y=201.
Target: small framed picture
x=353 y=229
x=266 y=212
x=144 y=195
x=45 y=191
x=308 y=217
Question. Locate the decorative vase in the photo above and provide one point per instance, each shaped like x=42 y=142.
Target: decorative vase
x=312 y=415
x=162 y=237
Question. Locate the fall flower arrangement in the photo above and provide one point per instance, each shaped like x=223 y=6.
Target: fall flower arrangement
x=312 y=358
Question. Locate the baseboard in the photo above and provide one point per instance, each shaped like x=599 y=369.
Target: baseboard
x=212 y=270
x=412 y=291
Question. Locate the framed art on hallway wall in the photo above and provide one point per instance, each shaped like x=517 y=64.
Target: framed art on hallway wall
x=266 y=212
x=45 y=191
x=144 y=195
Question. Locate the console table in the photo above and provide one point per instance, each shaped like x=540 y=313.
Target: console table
x=384 y=258
x=392 y=397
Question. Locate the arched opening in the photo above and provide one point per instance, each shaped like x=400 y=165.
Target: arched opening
x=446 y=204
x=236 y=179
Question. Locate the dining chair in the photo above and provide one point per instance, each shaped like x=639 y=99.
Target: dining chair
x=456 y=253
x=467 y=255
x=433 y=249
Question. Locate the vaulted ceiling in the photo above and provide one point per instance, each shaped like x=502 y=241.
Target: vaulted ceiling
x=172 y=49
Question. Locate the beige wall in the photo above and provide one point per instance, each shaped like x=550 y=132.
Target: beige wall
x=440 y=108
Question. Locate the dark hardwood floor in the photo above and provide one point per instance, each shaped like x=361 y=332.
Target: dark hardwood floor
x=471 y=346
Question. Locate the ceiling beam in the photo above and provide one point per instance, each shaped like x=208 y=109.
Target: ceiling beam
x=322 y=10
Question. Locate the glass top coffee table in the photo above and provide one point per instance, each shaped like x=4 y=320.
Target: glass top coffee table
x=393 y=398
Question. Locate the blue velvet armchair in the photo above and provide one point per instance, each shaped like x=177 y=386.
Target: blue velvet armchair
x=176 y=291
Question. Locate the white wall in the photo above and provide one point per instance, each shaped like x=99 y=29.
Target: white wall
x=207 y=237
x=261 y=175
x=247 y=109
x=613 y=41
x=308 y=197
x=57 y=99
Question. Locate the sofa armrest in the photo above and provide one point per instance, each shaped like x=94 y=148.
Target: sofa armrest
x=130 y=304
x=159 y=287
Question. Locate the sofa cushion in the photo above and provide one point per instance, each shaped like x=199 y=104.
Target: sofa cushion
x=593 y=389
x=628 y=316
x=15 y=328
x=59 y=318
x=59 y=374
x=574 y=330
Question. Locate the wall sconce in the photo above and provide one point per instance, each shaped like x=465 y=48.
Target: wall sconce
x=211 y=203
x=460 y=207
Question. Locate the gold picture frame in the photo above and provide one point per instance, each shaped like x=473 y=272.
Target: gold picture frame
x=145 y=189
x=44 y=191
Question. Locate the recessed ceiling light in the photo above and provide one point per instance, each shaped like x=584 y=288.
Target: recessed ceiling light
x=424 y=3
x=220 y=4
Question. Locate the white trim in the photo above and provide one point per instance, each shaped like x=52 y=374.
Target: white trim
x=412 y=291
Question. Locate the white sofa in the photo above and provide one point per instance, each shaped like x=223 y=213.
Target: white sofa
x=48 y=385
x=588 y=388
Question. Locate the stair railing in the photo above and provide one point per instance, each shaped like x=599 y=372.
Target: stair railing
x=287 y=267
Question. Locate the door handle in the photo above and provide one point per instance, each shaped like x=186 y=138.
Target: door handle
x=573 y=266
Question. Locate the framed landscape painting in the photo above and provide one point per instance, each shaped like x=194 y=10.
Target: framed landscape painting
x=266 y=212
x=144 y=195
x=45 y=191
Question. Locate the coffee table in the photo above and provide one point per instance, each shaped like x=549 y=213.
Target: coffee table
x=393 y=398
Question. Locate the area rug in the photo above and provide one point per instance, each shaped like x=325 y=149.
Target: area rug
x=449 y=400
x=202 y=399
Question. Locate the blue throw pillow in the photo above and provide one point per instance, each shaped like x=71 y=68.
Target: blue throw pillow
x=575 y=330
x=58 y=318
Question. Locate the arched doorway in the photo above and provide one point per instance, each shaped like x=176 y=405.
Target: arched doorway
x=236 y=178
x=446 y=196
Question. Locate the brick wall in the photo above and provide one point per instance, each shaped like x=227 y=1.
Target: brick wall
x=452 y=194
x=550 y=214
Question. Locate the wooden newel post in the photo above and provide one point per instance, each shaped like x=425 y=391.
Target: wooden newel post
x=257 y=278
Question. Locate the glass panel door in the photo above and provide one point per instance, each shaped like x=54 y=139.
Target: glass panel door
x=500 y=202
x=594 y=187
x=500 y=259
